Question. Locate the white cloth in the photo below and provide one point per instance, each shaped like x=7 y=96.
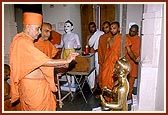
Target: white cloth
x=93 y=42
x=91 y=79
x=96 y=63
x=94 y=39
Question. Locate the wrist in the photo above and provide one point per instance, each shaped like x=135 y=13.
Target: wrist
x=67 y=61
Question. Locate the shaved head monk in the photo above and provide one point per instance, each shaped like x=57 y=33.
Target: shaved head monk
x=43 y=44
x=102 y=48
x=31 y=70
x=135 y=40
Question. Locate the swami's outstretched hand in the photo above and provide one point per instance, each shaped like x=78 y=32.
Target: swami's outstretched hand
x=71 y=57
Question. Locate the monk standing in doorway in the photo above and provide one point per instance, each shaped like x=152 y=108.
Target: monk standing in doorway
x=135 y=40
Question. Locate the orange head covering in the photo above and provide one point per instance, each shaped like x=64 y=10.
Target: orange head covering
x=32 y=18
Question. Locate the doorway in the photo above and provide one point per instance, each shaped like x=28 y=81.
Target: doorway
x=97 y=13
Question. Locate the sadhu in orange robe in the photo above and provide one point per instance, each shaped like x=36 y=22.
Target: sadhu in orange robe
x=102 y=48
x=135 y=40
x=46 y=47
x=112 y=55
x=35 y=94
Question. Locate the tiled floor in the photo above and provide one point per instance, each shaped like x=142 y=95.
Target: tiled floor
x=78 y=103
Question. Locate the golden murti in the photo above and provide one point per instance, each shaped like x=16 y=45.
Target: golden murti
x=121 y=87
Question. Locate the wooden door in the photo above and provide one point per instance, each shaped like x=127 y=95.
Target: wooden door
x=86 y=17
x=88 y=14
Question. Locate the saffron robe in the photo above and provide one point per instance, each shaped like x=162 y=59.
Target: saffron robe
x=135 y=40
x=101 y=54
x=34 y=94
x=55 y=37
x=112 y=55
x=46 y=47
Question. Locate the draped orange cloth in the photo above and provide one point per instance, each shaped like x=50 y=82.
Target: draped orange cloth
x=46 y=47
x=135 y=40
x=102 y=48
x=112 y=55
x=34 y=94
x=56 y=39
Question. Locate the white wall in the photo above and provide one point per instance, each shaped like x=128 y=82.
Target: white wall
x=161 y=89
x=9 y=30
x=151 y=88
x=61 y=13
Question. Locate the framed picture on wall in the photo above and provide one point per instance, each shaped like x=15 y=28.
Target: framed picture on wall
x=61 y=26
x=54 y=27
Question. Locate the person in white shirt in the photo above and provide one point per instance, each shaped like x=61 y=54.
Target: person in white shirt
x=92 y=41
